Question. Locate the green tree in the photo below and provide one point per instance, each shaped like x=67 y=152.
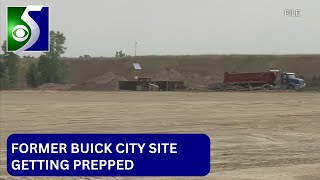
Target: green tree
x=4 y=80
x=11 y=65
x=51 y=68
x=33 y=76
x=46 y=69
x=120 y=54
x=57 y=48
x=2 y=69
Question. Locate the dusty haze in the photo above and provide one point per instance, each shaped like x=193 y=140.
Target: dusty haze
x=175 y=27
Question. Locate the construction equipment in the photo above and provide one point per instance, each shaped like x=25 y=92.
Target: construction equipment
x=145 y=84
x=261 y=80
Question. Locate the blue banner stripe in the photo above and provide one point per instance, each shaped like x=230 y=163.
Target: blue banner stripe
x=108 y=154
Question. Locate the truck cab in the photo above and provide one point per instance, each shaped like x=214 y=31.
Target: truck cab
x=292 y=81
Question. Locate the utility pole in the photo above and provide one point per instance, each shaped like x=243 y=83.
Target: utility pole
x=135 y=49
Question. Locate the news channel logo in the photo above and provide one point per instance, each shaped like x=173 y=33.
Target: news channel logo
x=28 y=29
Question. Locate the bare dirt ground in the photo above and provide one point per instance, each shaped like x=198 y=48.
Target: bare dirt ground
x=254 y=135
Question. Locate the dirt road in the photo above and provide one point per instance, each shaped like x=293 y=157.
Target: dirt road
x=253 y=135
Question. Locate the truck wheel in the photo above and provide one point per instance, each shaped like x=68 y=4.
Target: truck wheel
x=268 y=87
x=291 y=87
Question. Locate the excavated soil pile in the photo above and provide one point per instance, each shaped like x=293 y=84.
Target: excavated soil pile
x=107 y=81
x=55 y=87
x=168 y=75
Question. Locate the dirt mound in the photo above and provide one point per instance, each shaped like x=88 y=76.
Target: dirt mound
x=107 y=81
x=55 y=87
x=168 y=75
x=197 y=81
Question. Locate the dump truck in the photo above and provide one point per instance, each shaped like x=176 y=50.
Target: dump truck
x=271 y=79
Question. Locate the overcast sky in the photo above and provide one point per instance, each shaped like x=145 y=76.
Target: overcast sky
x=182 y=27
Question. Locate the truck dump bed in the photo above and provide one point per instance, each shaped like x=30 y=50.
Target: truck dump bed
x=250 y=78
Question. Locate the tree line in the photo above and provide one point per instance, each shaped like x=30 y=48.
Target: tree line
x=48 y=68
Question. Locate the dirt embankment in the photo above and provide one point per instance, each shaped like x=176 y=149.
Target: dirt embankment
x=195 y=71
x=55 y=87
x=108 y=81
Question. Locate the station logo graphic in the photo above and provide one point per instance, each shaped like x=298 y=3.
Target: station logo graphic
x=28 y=29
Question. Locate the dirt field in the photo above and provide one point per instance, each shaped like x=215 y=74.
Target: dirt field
x=254 y=135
